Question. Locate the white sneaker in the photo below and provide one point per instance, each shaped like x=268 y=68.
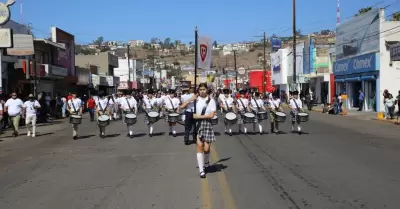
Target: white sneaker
x=29 y=133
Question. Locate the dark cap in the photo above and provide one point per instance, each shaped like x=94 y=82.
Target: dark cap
x=242 y=91
x=172 y=91
x=226 y=91
x=150 y=91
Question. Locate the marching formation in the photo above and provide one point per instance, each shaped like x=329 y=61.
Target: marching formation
x=197 y=111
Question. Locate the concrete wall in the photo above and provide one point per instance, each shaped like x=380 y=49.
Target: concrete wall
x=102 y=61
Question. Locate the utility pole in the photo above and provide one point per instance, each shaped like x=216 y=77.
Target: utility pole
x=264 y=64
x=236 y=73
x=294 y=46
x=129 y=69
x=226 y=71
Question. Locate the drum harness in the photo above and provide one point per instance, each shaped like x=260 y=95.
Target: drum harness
x=101 y=108
x=227 y=108
x=297 y=107
x=130 y=109
x=258 y=107
x=172 y=105
x=203 y=112
x=72 y=102
x=244 y=108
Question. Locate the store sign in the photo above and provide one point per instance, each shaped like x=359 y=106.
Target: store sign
x=59 y=71
x=359 y=64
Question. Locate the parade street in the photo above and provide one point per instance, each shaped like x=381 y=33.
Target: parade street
x=340 y=162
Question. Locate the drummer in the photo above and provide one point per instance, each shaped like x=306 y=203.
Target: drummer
x=74 y=107
x=150 y=104
x=171 y=105
x=242 y=106
x=102 y=109
x=296 y=107
x=257 y=105
x=274 y=104
x=227 y=106
x=129 y=106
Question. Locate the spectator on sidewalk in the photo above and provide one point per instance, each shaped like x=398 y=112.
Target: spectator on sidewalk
x=13 y=107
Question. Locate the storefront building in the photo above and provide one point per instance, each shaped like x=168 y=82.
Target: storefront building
x=358 y=73
x=279 y=62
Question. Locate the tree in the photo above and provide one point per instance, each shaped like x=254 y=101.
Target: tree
x=176 y=63
x=105 y=49
x=99 y=41
x=177 y=42
x=153 y=40
x=395 y=17
x=167 y=43
x=146 y=46
x=363 y=11
x=215 y=44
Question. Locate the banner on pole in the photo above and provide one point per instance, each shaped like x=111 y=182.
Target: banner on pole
x=204 y=53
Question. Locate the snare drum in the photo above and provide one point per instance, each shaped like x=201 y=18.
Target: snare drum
x=249 y=117
x=302 y=117
x=231 y=118
x=173 y=117
x=153 y=116
x=262 y=115
x=214 y=120
x=103 y=120
x=75 y=119
x=130 y=119
x=280 y=117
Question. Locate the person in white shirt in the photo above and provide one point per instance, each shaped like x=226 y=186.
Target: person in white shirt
x=103 y=111
x=188 y=117
x=296 y=106
x=171 y=105
x=257 y=105
x=274 y=105
x=205 y=133
x=242 y=106
x=30 y=108
x=129 y=105
x=150 y=103
x=75 y=107
x=14 y=109
x=226 y=105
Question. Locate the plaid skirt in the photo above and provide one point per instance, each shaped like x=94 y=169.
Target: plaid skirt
x=293 y=116
x=205 y=131
x=240 y=118
x=166 y=113
x=272 y=116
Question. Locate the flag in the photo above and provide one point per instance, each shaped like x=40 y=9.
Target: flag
x=204 y=53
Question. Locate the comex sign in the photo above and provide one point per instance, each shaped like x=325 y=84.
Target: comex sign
x=359 y=64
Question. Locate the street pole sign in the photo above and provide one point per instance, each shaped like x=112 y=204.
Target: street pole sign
x=5 y=13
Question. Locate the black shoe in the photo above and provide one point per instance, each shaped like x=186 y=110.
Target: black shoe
x=75 y=137
x=230 y=133
x=174 y=134
x=261 y=133
x=202 y=175
x=128 y=135
x=170 y=133
x=151 y=135
x=131 y=136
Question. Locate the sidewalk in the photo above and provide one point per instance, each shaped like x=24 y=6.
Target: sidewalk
x=359 y=115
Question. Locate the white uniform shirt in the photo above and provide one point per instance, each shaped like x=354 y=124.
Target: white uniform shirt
x=254 y=102
x=75 y=104
x=14 y=106
x=30 y=107
x=149 y=103
x=175 y=102
x=102 y=104
x=228 y=102
x=275 y=103
x=241 y=102
x=293 y=104
x=190 y=106
x=201 y=102
x=126 y=103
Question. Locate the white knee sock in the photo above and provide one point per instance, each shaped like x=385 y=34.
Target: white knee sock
x=200 y=161
x=260 y=128
x=151 y=128
x=174 y=129
x=298 y=128
x=229 y=128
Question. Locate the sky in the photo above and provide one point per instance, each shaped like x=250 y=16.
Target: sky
x=222 y=20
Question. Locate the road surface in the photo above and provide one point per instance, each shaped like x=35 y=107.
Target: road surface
x=340 y=162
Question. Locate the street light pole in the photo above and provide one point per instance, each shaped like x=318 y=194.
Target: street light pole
x=236 y=72
x=294 y=45
x=264 y=65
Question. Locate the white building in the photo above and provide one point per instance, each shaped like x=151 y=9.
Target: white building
x=280 y=71
x=123 y=73
x=363 y=60
x=136 y=43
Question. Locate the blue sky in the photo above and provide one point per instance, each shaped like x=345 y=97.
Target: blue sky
x=224 y=21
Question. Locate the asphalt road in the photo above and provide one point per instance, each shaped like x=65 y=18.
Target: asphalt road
x=340 y=162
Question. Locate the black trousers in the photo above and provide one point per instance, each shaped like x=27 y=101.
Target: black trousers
x=189 y=125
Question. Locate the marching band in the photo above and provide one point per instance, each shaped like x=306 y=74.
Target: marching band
x=196 y=111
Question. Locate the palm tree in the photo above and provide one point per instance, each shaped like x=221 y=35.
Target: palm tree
x=363 y=11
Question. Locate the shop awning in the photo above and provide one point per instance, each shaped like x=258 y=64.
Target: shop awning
x=352 y=79
x=339 y=80
x=368 y=77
